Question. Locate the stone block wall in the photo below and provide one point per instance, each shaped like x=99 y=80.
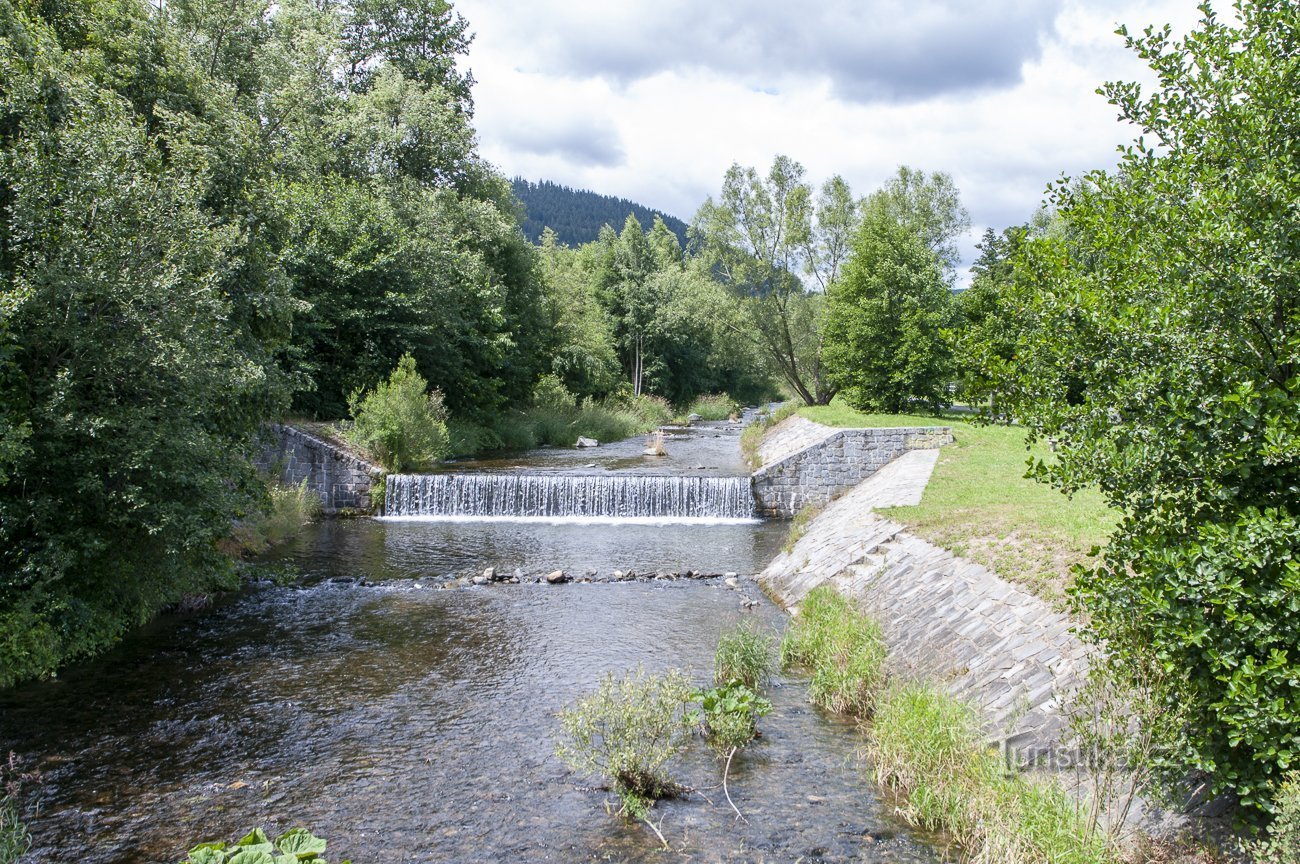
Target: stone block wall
x=840 y=460
x=341 y=480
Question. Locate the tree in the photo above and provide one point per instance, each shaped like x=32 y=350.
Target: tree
x=988 y=322
x=930 y=206
x=130 y=397
x=758 y=238
x=884 y=343
x=1165 y=366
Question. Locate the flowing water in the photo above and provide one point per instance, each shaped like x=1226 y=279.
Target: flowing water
x=408 y=718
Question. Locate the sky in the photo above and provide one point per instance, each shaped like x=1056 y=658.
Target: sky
x=652 y=101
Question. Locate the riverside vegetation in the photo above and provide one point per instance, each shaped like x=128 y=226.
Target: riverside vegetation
x=215 y=214
x=631 y=727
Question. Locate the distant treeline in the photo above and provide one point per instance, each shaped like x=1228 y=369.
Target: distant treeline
x=576 y=215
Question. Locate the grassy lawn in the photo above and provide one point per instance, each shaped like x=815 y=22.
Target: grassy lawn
x=980 y=505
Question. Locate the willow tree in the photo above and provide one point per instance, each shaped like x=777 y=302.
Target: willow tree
x=760 y=237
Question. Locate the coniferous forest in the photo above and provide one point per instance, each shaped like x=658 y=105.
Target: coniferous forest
x=576 y=215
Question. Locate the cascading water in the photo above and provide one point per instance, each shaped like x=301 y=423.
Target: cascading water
x=551 y=496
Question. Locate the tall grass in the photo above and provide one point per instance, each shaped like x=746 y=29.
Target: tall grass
x=842 y=647
x=714 y=406
x=288 y=509
x=927 y=747
x=745 y=655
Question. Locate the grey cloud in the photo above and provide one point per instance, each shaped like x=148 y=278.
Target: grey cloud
x=580 y=143
x=877 y=51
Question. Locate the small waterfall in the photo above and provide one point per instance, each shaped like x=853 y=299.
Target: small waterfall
x=567 y=495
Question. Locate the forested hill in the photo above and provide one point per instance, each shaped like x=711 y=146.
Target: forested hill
x=575 y=215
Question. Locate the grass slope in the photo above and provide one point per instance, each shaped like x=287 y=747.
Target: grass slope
x=980 y=505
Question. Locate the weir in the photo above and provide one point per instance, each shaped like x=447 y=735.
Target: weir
x=555 y=496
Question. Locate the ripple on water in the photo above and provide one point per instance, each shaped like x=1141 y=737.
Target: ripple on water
x=418 y=725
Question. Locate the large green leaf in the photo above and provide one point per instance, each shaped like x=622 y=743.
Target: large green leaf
x=300 y=843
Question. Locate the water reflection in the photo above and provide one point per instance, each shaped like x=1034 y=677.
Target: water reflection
x=441 y=550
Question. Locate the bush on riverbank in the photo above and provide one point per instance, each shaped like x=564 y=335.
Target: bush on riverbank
x=400 y=422
x=557 y=424
x=714 y=406
x=842 y=647
x=928 y=748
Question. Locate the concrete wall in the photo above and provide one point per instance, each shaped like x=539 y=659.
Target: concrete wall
x=835 y=461
x=341 y=480
x=1009 y=654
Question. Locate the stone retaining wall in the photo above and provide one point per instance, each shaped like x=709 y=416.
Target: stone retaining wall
x=341 y=480
x=836 y=460
x=1006 y=652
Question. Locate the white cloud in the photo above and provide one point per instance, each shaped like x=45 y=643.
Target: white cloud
x=652 y=102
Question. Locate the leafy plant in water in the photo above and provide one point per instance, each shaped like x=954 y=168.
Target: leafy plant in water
x=626 y=732
x=297 y=844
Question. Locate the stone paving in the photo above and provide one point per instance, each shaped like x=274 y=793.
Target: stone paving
x=1005 y=651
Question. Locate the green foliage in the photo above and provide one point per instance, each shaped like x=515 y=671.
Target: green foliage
x=135 y=358
x=985 y=329
x=1160 y=357
x=287 y=510
x=627 y=732
x=885 y=349
x=296 y=844
x=928 y=748
x=729 y=714
x=15 y=839
x=745 y=655
x=844 y=649
x=1282 y=845
x=758 y=237
x=715 y=406
x=550 y=392
x=400 y=422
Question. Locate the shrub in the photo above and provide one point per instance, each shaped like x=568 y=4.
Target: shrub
x=744 y=656
x=288 y=509
x=844 y=649
x=928 y=748
x=626 y=732
x=297 y=844
x=1282 y=846
x=550 y=392
x=400 y=422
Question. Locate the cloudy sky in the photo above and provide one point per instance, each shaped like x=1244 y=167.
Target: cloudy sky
x=652 y=101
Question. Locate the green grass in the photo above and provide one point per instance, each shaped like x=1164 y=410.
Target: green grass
x=714 y=406
x=842 y=647
x=839 y=414
x=745 y=655
x=980 y=505
x=927 y=748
